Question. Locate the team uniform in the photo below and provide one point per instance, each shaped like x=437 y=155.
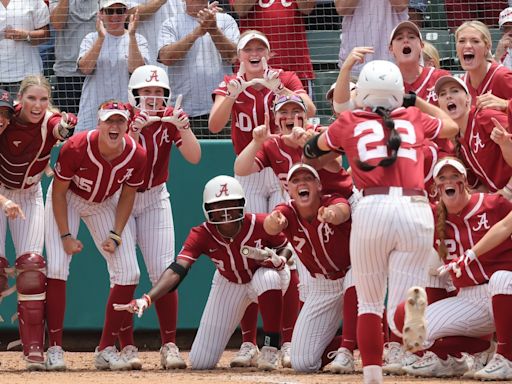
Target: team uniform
x=480 y=153
x=423 y=86
x=324 y=251
x=262 y=189
x=498 y=80
x=238 y=281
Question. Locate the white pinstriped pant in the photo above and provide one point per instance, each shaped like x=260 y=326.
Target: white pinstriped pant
x=390 y=242
x=469 y=313
x=99 y=219
x=27 y=235
x=225 y=308
x=152 y=222
x=263 y=191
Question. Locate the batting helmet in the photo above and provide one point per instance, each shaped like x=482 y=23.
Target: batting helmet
x=148 y=76
x=219 y=189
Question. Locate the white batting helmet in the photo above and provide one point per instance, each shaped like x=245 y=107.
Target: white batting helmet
x=380 y=84
x=148 y=76
x=223 y=188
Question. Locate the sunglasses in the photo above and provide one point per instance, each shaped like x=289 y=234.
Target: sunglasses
x=113 y=105
x=114 y=11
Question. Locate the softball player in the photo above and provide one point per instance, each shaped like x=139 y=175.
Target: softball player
x=26 y=145
x=480 y=152
x=238 y=280
x=91 y=169
x=318 y=227
x=149 y=93
x=247 y=97
x=484 y=280
x=392 y=227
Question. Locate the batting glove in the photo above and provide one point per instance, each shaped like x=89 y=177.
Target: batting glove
x=273 y=261
x=66 y=126
x=135 y=306
x=176 y=116
x=139 y=121
x=271 y=78
x=458 y=264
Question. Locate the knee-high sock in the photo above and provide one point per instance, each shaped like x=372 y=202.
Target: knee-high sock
x=370 y=339
x=249 y=324
x=55 y=309
x=349 y=330
x=501 y=304
x=167 y=312
x=291 y=307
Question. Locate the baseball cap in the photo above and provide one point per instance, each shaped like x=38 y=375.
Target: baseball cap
x=452 y=162
x=298 y=166
x=6 y=99
x=285 y=99
x=111 y=108
x=448 y=78
x=505 y=16
x=108 y=3
x=330 y=92
x=405 y=24
x=251 y=36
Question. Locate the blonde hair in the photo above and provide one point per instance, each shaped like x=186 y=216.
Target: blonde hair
x=39 y=81
x=485 y=34
x=430 y=53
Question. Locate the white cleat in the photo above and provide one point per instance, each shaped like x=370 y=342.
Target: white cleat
x=286 y=361
x=343 y=362
x=130 y=354
x=170 y=357
x=110 y=359
x=268 y=359
x=499 y=368
x=415 y=327
x=478 y=361
x=247 y=356
x=55 y=359
x=430 y=365
x=393 y=354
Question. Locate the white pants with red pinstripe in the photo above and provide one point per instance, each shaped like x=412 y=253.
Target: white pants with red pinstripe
x=263 y=191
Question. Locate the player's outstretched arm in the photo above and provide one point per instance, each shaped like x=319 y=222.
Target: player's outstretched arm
x=275 y=222
x=334 y=214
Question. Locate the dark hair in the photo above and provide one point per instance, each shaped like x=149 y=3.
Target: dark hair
x=392 y=145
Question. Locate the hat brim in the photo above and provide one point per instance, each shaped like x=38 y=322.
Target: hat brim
x=301 y=166
x=449 y=162
x=105 y=114
x=402 y=25
x=443 y=80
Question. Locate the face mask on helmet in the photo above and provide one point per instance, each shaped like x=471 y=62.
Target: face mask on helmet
x=149 y=76
x=233 y=211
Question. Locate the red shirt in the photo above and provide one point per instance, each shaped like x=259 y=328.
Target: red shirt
x=362 y=135
x=92 y=177
x=205 y=239
x=25 y=150
x=250 y=107
x=283 y=24
x=157 y=139
x=423 y=86
x=498 y=80
x=323 y=248
x=480 y=153
x=465 y=229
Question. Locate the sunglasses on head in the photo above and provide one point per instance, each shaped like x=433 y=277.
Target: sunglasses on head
x=285 y=98
x=114 y=11
x=113 y=105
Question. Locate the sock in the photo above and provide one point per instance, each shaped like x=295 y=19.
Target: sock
x=271 y=308
x=454 y=345
x=249 y=324
x=167 y=311
x=501 y=304
x=115 y=319
x=126 y=331
x=385 y=326
x=55 y=310
x=370 y=339
x=290 y=307
x=399 y=321
x=349 y=330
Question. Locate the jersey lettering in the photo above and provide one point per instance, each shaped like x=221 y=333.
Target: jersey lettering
x=244 y=122
x=300 y=243
x=451 y=249
x=431 y=96
x=153 y=76
x=478 y=143
x=127 y=175
x=83 y=183
x=482 y=223
x=165 y=137
x=257 y=244
x=328 y=231
x=376 y=135
x=223 y=190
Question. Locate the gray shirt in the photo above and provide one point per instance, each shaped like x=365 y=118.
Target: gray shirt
x=202 y=69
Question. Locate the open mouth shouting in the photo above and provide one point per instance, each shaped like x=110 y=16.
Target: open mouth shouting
x=468 y=58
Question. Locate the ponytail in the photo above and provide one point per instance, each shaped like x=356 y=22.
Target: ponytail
x=441 y=213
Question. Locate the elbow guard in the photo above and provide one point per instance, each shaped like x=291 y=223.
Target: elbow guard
x=311 y=149
x=180 y=270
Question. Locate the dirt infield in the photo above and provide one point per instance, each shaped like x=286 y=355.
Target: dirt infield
x=81 y=371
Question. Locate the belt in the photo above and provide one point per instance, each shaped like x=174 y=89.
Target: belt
x=398 y=191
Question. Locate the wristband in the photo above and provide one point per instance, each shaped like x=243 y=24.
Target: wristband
x=147 y=298
x=409 y=99
x=115 y=238
x=470 y=254
x=62 y=237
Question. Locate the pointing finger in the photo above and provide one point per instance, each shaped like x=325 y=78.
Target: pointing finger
x=179 y=99
x=498 y=125
x=264 y=62
x=241 y=70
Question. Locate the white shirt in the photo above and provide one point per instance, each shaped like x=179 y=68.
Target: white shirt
x=202 y=69
x=110 y=77
x=20 y=58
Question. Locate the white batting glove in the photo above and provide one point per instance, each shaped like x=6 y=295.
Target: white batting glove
x=178 y=118
x=238 y=85
x=139 y=121
x=66 y=125
x=457 y=265
x=274 y=260
x=135 y=306
x=271 y=78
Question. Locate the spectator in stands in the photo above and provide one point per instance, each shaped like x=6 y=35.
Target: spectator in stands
x=72 y=20
x=198 y=46
x=458 y=11
x=152 y=14
x=23 y=25
x=417 y=9
x=365 y=23
x=430 y=56
x=282 y=21
x=503 y=53
x=107 y=57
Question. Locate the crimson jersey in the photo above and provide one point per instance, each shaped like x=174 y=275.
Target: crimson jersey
x=225 y=254
x=283 y=24
x=323 y=248
x=25 y=150
x=423 y=86
x=157 y=139
x=480 y=153
x=92 y=177
x=250 y=107
x=362 y=135
x=498 y=80
x=465 y=229
x=280 y=157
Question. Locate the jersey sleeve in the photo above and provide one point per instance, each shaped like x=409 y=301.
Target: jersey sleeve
x=261 y=157
x=485 y=123
x=222 y=89
x=193 y=246
x=431 y=125
x=334 y=134
x=68 y=160
x=291 y=81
